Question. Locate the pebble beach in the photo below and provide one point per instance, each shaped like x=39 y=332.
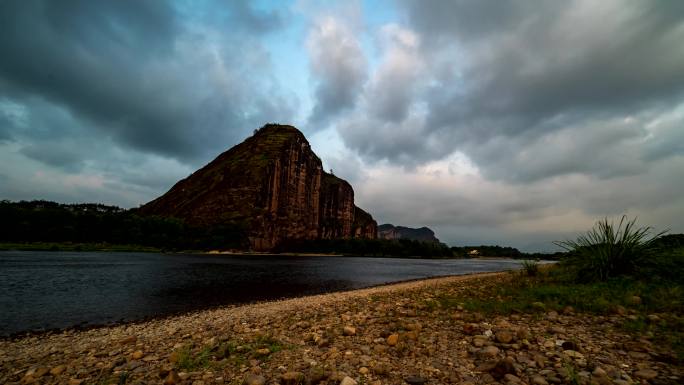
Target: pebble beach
x=390 y=334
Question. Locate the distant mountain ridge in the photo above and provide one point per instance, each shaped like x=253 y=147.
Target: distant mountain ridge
x=272 y=184
x=389 y=231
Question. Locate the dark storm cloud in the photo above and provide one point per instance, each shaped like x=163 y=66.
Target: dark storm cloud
x=58 y=156
x=503 y=80
x=136 y=72
x=529 y=62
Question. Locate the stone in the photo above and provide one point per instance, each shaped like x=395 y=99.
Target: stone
x=364 y=370
x=600 y=380
x=523 y=334
x=348 y=381
x=57 y=370
x=292 y=378
x=416 y=326
x=415 y=380
x=646 y=374
x=598 y=371
x=173 y=357
x=393 y=339
x=40 y=372
x=504 y=336
x=635 y=300
x=75 y=381
x=164 y=370
x=349 y=331
x=316 y=375
x=574 y=354
x=254 y=379
x=512 y=378
x=503 y=367
x=538 y=380
x=172 y=378
x=380 y=369
x=639 y=355
x=489 y=351
x=128 y=340
x=470 y=328
x=570 y=345
x=263 y=351
x=138 y=354
x=480 y=341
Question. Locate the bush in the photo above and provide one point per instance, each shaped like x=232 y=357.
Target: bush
x=531 y=268
x=609 y=250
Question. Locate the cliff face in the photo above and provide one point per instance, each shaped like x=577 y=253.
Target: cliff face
x=336 y=208
x=364 y=225
x=273 y=184
x=389 y=231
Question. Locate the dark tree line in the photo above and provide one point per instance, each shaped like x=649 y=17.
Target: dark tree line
x=487 y=251
x=501 y=252
x=44 y=221
x=369 y=247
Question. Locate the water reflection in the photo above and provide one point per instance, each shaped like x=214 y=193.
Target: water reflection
x=40 y=290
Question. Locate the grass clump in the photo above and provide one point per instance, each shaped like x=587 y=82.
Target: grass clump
x=609 y=250
x=530 y=268
x=267 y=341
x=190 y=361
x=216 y=355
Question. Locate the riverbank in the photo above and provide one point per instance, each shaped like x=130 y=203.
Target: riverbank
x=381 y=335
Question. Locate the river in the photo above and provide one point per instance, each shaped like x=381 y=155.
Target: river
x=56 y=290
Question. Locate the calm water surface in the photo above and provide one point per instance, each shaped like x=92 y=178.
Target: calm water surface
x=48 y=290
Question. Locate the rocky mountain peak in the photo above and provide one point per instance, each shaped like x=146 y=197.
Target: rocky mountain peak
x=272 y=184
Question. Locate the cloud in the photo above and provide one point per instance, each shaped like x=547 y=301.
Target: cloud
x=528 y=91
x=388 y=123
x=463 y=207
x=338 y=64
x=154 y=78
x=391 y=90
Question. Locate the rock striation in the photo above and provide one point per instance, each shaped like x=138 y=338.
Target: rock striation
x=391 y=232
x=272 y=184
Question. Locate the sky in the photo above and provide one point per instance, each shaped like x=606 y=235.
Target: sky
x=513 y=123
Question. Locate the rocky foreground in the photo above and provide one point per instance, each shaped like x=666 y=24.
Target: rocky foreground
x=393 y=334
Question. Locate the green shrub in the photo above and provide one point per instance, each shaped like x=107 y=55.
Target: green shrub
x=609 y=250
x=531 y=268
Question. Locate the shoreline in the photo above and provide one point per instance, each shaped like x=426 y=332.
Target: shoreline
x=79 y=329
x=386 y=334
